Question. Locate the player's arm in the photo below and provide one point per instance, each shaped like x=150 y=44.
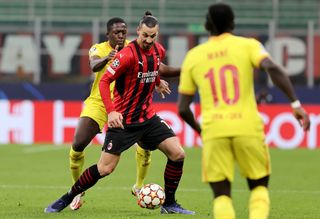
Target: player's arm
x=168 y=71
x=281 y=80
x=114 y=118
x=185 y=112
x=114 y=71
x=97 y=63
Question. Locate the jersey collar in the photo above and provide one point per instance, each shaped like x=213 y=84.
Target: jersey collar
x=220 y=37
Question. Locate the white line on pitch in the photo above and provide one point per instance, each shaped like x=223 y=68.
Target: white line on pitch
x=45 y=148
x=3 y=186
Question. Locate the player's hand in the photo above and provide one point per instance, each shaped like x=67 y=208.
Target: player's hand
x=302 y=118
x=113 y=52
x=115 y=120
x=163 y=88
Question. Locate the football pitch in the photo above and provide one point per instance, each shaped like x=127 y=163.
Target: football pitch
x=31 y=177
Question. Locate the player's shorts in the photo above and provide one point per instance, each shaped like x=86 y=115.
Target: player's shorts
x=148 y=134
x=219 y=156
x=96 y=111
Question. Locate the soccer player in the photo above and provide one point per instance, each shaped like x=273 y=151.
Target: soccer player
x=132 y=117
x=94 y=116
x=221 y=69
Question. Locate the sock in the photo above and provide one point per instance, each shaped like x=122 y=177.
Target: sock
x=259 y=203
x=172 y=176
x=223 y=208
x=143 y=160
x=76 y=161
x=88 y=178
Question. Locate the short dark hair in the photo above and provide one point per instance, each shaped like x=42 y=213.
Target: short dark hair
x=219 y=19
x=149 y=20
x=113 y=21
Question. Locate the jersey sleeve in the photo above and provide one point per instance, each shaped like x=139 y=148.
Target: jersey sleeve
x=94 y=50
x=187 y=84
x=257 y=53
x=119 y=66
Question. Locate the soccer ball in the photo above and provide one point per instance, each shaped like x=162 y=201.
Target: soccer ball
x=151 y=196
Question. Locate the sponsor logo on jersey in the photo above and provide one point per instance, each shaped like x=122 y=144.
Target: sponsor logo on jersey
x=147 y=77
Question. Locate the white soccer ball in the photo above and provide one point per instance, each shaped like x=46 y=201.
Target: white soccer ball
x=151 y=196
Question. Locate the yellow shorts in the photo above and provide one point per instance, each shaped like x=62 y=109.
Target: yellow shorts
x=96 y=111
x=220 y=154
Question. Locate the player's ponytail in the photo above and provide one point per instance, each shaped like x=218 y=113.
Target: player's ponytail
x=147 y=13
x=149 y=20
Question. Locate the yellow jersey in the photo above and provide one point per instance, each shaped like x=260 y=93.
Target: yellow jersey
x=222 y=70
x=101 y=50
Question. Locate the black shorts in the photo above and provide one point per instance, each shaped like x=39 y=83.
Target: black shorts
x=148 y=134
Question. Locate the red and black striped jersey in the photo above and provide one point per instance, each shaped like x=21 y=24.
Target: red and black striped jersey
x=136 y=74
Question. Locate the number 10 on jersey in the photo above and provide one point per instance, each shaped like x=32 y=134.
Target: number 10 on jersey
x=222 y=76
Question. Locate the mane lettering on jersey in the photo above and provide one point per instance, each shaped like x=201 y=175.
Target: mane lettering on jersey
x=218 y=54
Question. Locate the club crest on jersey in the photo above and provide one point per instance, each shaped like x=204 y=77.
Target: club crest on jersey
x=109 y=146
x=115 y=63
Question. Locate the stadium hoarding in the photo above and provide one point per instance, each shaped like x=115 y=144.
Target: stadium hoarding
x=63 y=57
x=53 y=122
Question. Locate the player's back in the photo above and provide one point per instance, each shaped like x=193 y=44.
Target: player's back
x=223 y=70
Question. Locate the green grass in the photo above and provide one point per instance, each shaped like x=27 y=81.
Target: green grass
x=31 y=177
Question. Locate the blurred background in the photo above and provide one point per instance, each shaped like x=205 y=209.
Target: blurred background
x=45 y=76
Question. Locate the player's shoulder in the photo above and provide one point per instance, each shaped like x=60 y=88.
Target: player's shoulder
x=246 y=40
x=125 y=53
x=198 y=49
x=97 y=48
x=99 y=45
x=160 y=48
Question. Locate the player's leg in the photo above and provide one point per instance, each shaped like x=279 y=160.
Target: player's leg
x=143 y=161
x=254 y=161
x=173 y=172
x=259 y=202
x=159 y=135
x=218 y=170
x=89 y=178
x=86 y=130
x=92 y=120
x=116 y=141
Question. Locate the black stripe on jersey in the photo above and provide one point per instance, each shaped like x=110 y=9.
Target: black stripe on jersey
x=156 y=68
x=136 y=88
x=120 y=85
x=144 y=93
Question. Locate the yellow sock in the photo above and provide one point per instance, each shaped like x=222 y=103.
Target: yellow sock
x=143 y=160
x=76 y=161
x=259 y=203
x=223 y=208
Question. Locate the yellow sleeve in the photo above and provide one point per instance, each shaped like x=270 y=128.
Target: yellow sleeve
x=257 y=53
x=94 y=50
x=187 y=84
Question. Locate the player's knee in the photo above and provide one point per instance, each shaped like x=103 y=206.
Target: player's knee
x=178 y=156
x=264 y=181
x=105 y=170
x=79 y=144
